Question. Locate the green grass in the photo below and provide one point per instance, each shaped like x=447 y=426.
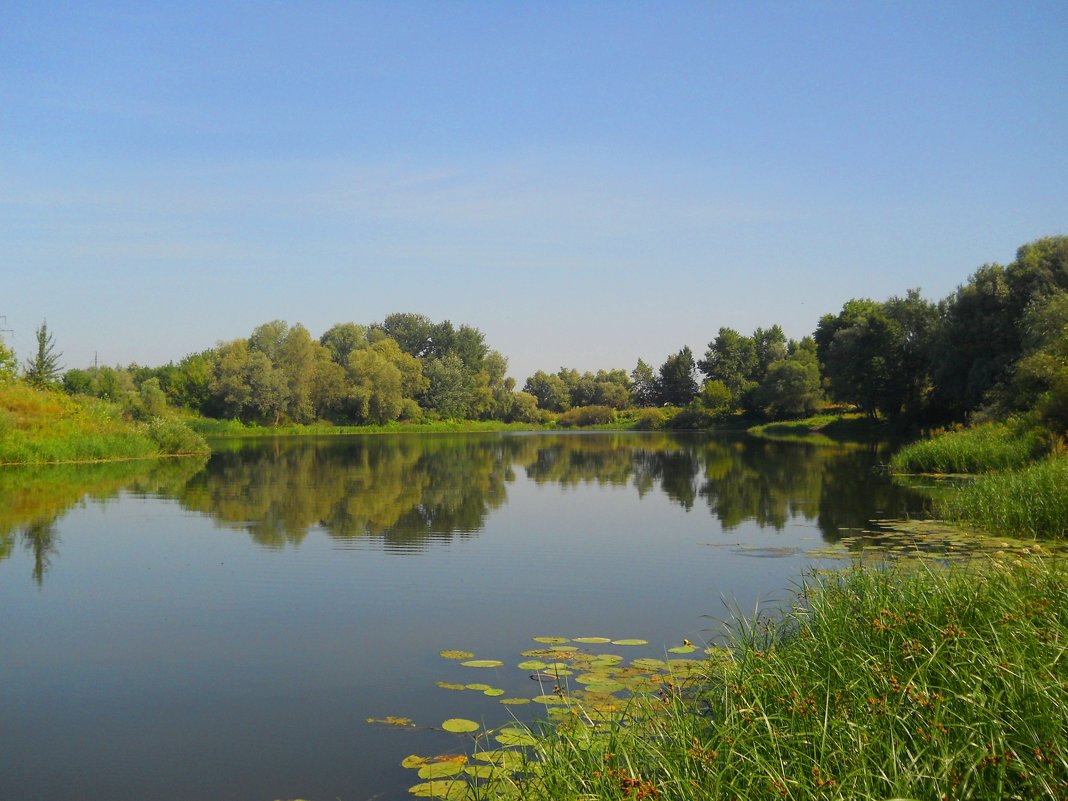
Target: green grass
x=821 y=429
x=38 y=427
x=982 y=448
x=879 y=684
x=209 y=427
x=1032 y=501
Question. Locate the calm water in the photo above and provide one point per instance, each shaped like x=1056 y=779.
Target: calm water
x=222 y=629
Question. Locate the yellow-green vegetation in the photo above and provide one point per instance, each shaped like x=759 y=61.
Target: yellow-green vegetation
x=990 y=446
x=39 y=426
x=235 y=428
x=821 y=429
x=878 y=684
x=1032 y=501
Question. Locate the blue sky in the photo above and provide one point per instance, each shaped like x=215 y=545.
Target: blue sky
x=588 y=183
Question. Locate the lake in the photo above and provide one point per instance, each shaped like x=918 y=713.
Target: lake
x=223 y=628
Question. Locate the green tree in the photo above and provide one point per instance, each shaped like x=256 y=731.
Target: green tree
x=677 y=382
x=153 y=402
x=43 y=369
x=792 y=385
x=342 y=339
x=9 y=365
x=450 y=392
x=732 y=359
x=643 y=385
x=550 y=390
x=1041 y=378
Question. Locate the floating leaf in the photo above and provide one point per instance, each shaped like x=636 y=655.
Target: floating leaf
x=487 y=771
x=438 y=770
x=591 y=640
x=606 y=660
x=649 y=664
x=593 y=678
x=448 y=686
x=515 y=737
x=551 y=640
x=459 y=725
x=531 y=664
x=478 y=687
x=515 y=701
x=450 y=653
x=483 y=663
x=413 y=761
x=391 y=720
x=501 y=757
x=493 y=692
x=682 y=649
x=447 y=789
x=548 y=700
x=606 y=687
x=630 y=642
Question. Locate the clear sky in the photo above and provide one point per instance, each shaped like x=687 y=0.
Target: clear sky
x=588 y=183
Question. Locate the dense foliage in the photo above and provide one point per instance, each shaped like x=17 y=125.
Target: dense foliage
x=997 y=345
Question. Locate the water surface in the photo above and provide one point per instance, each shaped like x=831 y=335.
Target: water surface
x=222 y=628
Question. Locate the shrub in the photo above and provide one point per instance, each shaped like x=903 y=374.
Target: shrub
x=174 y=437
x=650 y=419
x=587 y=416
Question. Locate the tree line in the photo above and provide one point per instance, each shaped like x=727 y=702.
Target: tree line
x=998 y=343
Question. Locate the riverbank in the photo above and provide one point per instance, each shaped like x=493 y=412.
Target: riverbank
x=42 y=427
x=921 y=683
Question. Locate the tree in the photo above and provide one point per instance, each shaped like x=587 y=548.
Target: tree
x=550 y=390
x=342 y=339
x=732 y=359
x=9 y=365
x=43 y=369
x=449 y=393
x=792 y=386
x=643 y=385
x=677 y=383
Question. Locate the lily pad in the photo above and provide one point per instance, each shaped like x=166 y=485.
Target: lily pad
x=452 y=653
x=682 y=649
x=449 y=686
x=515 y=737
x=551 y=640
x=531 y=664
x=493 y=692
x=460 y=725
x=438 y=770
x=515 y=701
x=591 y=640
x=483 y=663
x=605 y=687
x=413 y=761
x=391 y=720
x=501 y=757
x=630 y=642
x=477 y=687
x=548 y=700
x=649 y=664
x=446 y=788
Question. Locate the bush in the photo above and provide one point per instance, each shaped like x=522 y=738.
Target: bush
x=174 y=437
x=650 y=419
x=991 y=446
x=586 y=416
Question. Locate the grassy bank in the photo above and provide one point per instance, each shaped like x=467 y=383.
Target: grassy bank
x=822 y=429
x=991 y=446
x=209 y=427
x=879 y=684
x=38 y=426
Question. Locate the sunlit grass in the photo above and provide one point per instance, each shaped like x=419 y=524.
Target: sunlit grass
x=991 y=446
x=880 y=684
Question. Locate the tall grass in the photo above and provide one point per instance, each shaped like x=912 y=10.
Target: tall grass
x=990 y=446
x=38 y=426
x=1029 y=502
x=879 y=685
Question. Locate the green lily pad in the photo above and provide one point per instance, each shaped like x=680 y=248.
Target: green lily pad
x=606 y=660
x=487 y=771
x=451 y=653
x=682 y=649
x=532 y=664
x=500 y=756
x=493 y=692
x=630 y=642
x=551 y=640
x=591 y=640
x=448 y=789
x=477 y=687
x=483 y=663
x=438 y=770
x=515 y=701
x=392 y=720
x=515 y=737
x=413 y=761
x=649 y=664
x=460 y=725
x=606 y=687
x=548 y=700
x=449 y=686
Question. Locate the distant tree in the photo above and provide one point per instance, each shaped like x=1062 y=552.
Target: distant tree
x=449 y=393
x=769 y=346
x=792 y=386
x=643 y=385
x=1041 y=377
x=268 y=339
x=43 y=369
x=550 y=390
x=413 y=332
x=9 y=365
x=715 y=397
x=342 y=339
x=153 y=402
x=677 y=383
x=79 y=382
x=732 y=359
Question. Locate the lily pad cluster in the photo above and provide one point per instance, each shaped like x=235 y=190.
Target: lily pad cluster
x=577 y=685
